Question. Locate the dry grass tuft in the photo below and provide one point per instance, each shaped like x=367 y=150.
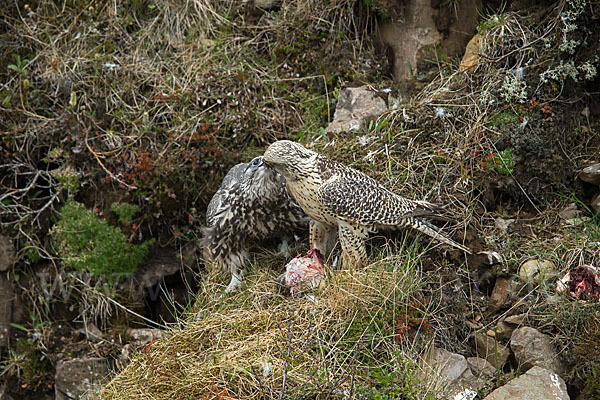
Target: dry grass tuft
x=256 y=344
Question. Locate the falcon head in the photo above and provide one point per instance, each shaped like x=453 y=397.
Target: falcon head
x=288 y=157
x=257 y=180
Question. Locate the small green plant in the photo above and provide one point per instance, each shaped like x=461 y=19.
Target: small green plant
x=376 y=126
x=591 y=225
x=125 y=211
x=88 y=243
x=33 y=254
x=400 y=382
x=592 y=383
x=67 y=176
x=26 y=361
x=502 y=162
x=19 y=65
x=492 y=21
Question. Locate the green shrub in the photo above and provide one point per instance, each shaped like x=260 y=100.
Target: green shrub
x=85 y=242
x=124 y=211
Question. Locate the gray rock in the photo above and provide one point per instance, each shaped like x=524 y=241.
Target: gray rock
x=537 y=269
x=450 y=365
x=501 y=293
x=503 y=330
x=160 y=263
x=536 y=384
x=533 y=348
x=455 y=378
x=6 y=303
x=75 y=378
x=570 y=212
x=144 y=335
x=591 y=174
x=491 y=350
x=516 y=319
x=8 y=255
x=355 y=107
x=481 y=367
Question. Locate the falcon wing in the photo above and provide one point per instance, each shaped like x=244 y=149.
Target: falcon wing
x=360 y=200
x=349 y=200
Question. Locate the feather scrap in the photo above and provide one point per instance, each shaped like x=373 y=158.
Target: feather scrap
x=583 y=283
x=302 y=272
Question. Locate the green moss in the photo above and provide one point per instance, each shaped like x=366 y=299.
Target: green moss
x=503 y=117
x=88 y=243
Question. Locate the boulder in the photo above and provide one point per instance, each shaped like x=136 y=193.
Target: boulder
x=8 y=255
x=535 y=384
x=491 y=350
x=500 y=293
x=470 y=59
x=453 y=375
x=450 y=365
x=533 y=348
x=355 y=107
x=570 y=212
x=537 y=269
x=481 y=368
x=591 y=174
x=6 y=303
x=415 y=27
x=76 y=378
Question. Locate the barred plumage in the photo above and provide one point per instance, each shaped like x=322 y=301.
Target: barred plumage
x=340 y=198
x=251 y=204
